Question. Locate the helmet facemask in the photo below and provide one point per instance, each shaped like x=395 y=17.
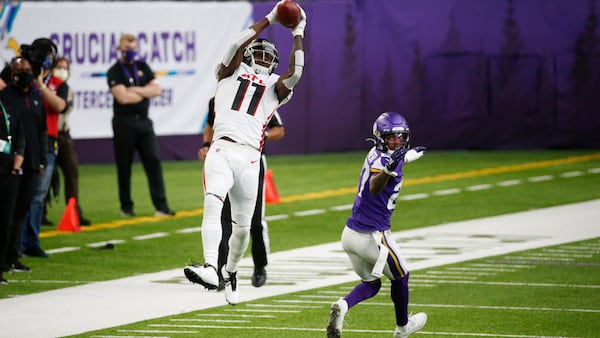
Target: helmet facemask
x=262 y=56
x=403 y=136
x=390 y=123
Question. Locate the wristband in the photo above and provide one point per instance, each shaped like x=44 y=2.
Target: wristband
x=206 y=144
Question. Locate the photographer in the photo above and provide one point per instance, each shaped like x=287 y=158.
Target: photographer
x=21 y=99
x=54 y=91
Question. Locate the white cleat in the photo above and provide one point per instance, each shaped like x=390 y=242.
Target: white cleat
x=205 y=275
x=337 y=312
x=415 y=323
x=231 y=292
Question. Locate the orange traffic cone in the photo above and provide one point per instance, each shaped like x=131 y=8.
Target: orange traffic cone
x=70 y=219
x=271 y=195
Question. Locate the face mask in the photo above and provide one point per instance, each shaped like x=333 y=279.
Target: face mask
x=47 y=62
x=129 y=55
x=61 y=73
x=23 y=80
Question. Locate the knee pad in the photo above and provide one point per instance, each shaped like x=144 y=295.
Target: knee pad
x=213 y=205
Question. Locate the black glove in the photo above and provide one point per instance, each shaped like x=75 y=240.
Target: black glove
x=395 y=158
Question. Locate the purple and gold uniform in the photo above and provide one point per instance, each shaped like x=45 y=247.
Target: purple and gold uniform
x=373 y=212
x=367 y=239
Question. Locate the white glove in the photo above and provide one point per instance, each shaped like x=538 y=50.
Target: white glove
x=414 y=154
x=299 y=29
x=272 y=16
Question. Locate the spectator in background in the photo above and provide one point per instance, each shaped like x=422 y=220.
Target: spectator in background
x=22 y=99
x=66 y=158
x=12 y=150
x=54 y=93
x=132 y=83
x=5 y=74
x=258 y=228
x=367 y=238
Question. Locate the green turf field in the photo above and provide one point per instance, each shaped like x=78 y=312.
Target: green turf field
x=515 y=295
x=518 y=181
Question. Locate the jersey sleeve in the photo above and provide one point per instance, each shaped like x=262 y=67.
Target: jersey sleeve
x=63 y=91
x=148 y=72
x=113 y=77
x=210 y=119
x=275 y=120
x=377 y=160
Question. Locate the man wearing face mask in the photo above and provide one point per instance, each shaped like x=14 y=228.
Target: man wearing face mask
x=54 y=93
x=21 y=98
x=133 y=84
x=66 y=158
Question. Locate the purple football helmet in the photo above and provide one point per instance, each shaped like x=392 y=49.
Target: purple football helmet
x=390 y=123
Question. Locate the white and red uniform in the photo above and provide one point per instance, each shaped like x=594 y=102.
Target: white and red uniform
x=244 y=104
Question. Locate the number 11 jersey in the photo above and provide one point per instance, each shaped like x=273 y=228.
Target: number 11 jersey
x=244 y=104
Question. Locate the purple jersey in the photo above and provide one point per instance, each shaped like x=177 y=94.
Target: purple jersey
x=373 y=212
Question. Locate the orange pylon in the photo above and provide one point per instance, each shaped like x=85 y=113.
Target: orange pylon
x=271 y=195
x=70 y=219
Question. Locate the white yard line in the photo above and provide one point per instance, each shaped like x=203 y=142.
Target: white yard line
x=106 y=304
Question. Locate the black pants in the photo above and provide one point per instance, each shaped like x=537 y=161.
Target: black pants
x=130 y=134
x=68 y=163
x=259 y=250
x=24 y=195
x=9 y=185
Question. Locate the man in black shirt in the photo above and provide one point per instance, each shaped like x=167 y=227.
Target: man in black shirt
x=12 y=150
x=133 y=84
x=21 y=98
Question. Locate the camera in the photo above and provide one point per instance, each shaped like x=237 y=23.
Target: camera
x=37 y=54
x=35 y=58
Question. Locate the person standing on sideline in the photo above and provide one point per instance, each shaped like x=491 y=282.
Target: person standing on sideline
x=259 y=231
x=133 y=84
x=54 y=95
x=22 y=99
x=367 y=239
x=12 y=150
x=66 y=158
x=247 y=95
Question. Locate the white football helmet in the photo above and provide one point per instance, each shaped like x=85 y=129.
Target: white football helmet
x=262 y=56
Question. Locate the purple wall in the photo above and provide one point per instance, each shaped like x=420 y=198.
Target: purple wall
x=467 y=74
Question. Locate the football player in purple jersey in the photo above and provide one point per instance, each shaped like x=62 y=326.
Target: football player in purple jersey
x=367 y=238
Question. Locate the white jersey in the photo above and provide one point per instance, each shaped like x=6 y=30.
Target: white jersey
x=244 y=104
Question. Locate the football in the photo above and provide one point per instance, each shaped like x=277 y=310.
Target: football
x=288 y=13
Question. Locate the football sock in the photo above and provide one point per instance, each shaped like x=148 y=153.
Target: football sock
x=362 y=291
x=399 y=294
x=238 y=243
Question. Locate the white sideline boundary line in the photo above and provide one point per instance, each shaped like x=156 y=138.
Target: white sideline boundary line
x=94 y=306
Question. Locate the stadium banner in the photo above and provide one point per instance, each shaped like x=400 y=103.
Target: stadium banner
x=177 y=39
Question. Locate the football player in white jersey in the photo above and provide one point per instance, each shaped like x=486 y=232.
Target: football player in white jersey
x=247 y=95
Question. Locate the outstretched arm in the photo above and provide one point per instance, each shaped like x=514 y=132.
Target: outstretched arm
x=288 y=80
x=235 y=54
